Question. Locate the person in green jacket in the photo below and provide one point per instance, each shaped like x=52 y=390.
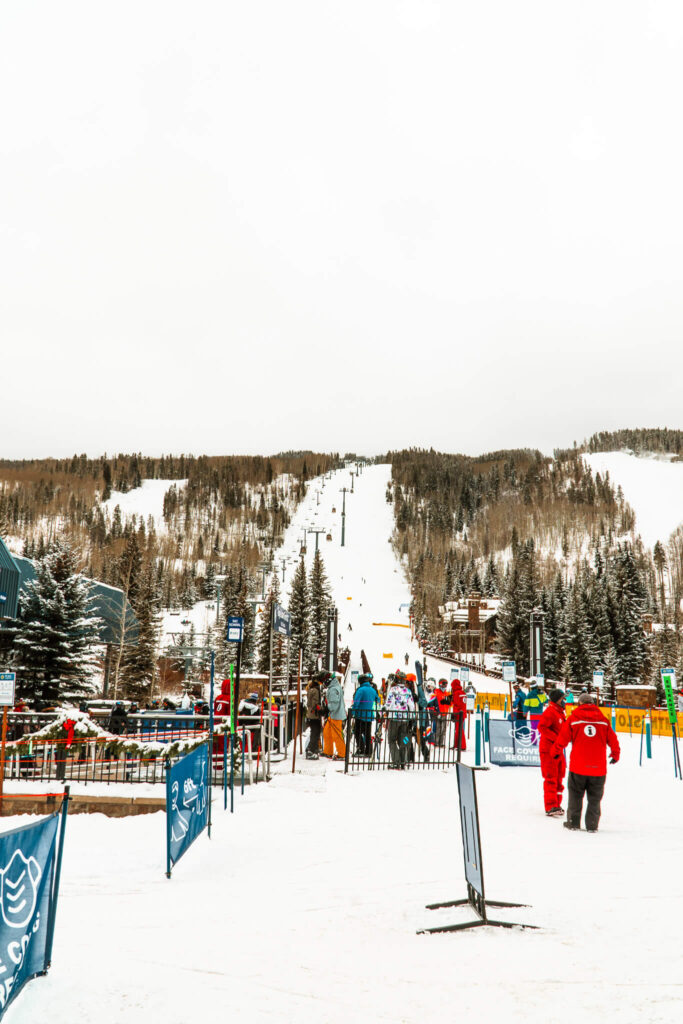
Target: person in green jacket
x=536 y=700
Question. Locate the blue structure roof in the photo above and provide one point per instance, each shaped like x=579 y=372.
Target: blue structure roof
x=107 y=602
x=9 y=584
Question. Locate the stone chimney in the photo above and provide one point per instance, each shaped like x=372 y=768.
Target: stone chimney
x=473 y=602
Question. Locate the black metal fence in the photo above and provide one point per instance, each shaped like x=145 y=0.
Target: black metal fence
x=95 y=759
x=403 y=740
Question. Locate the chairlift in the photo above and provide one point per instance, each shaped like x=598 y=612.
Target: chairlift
x=329 y=536
x=333 y=510
x=185 y=622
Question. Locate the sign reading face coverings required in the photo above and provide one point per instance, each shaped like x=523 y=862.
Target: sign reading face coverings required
x=513 y=743
x=187 y=801
x=26 y=867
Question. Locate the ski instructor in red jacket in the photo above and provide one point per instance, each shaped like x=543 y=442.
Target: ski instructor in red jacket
x=590 y=734
x=552 y=767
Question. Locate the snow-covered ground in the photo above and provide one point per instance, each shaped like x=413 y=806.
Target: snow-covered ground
x=146 y=500
x=305 y=903
x=653 y=487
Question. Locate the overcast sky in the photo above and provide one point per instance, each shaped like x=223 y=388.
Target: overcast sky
x=272 y=224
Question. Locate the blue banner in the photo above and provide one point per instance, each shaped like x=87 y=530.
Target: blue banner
x=187 y=802
x=513 y=743
x=27 y=860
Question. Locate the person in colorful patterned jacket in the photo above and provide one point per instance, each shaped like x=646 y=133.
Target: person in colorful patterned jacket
x=401 y=714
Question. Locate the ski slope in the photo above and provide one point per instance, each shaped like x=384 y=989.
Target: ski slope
x=144 y=501
x=653 y=487
x=367 y=582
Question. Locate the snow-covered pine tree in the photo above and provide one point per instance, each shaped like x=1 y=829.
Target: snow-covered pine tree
x=300 y=611
x=319 y=593
x=56 y=637
x=264 y=631
x=491 y=579
x=629 y=594
x=140 y=658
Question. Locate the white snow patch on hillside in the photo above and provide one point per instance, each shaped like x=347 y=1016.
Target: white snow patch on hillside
x=146 y=500
x=652 y=486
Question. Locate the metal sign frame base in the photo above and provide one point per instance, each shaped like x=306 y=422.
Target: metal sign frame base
x=479 y=905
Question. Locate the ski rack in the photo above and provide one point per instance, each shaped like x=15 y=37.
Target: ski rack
x=474 y=870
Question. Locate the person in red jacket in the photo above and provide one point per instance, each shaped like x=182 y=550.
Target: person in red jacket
x=552 y=767
x=443 y=700
x=459 y=710
x=590 y=734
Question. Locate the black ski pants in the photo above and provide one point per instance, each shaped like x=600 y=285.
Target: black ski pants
x=398 y=741
x=363 y=736
x=314 y=736
x=593 y=786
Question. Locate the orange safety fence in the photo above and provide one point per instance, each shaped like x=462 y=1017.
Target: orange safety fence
x=625 y=719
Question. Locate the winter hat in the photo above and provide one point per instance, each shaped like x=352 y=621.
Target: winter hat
x=400 y=677
x=587 y=698
x=556 y=695
x=411 y=678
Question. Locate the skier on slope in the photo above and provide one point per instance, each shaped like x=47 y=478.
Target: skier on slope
x=553 y=768
x=590 y=734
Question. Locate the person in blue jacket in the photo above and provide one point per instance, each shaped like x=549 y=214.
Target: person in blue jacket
x=365 y=701
x=518 y=711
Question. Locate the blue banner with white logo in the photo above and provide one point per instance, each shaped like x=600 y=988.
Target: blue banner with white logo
x=513 y=743
x=27 y=862
x=187 y=802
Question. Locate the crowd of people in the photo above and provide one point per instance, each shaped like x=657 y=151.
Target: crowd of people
x=412 y=714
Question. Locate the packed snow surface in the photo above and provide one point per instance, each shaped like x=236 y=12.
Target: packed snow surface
x=305 y=903
x=652 y=486
x=146 y=500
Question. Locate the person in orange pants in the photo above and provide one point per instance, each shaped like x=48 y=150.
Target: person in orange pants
x=333 y=737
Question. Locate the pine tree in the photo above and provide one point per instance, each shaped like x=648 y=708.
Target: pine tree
x=319 y=591
x=140 y=658
x=629 y=597
x=56 y=636
x=299 y=608
x=264 y=631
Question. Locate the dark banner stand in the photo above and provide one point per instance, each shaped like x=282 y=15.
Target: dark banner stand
x=474 y=871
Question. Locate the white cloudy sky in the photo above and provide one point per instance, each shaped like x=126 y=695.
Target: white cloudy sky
x=262 y=224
